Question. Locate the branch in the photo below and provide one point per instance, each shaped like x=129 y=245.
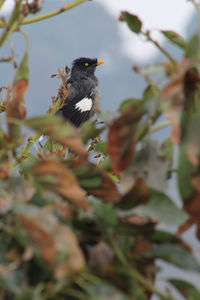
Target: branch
x=160 y=126
x=51 y=14
x=15 y=20
x=165 y=52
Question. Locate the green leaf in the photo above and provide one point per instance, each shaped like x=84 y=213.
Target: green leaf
x=192 y=49
x=23 y=70
x=175 y=255
x=129 y=102
x=162 y=209
x=185 y=171
x=105 y=213
x=132 y=21
x=151 y=91
x=175 y=38
x=101 y=147
x=90 y=131
x=186 y=288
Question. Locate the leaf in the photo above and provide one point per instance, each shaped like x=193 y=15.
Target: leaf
x=101 y=147
x=187 y=289
x=90 y=131
x=149 y=165
x=161 y=209
x=16 y=107
x=175 y=255
x=129 y=102
x=66 y=183
x=60 y=131
x=57 y=243
x=101 y=255
x=97 y=182
x=122 y=139
x=132 y=21
x=175 y=38
x=192 y=48
x=138 y=194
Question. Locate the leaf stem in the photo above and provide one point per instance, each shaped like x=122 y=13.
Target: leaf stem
x=160 y=126
x=50 y=14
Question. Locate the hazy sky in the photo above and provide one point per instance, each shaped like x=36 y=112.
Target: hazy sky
x=155 y=14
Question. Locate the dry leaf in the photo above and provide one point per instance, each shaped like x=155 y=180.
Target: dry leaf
x=67 y=184
x=122 y=139
x=101 y=255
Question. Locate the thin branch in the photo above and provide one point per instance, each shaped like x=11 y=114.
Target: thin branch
x=165 y=52
x=160 y=126
x=15 y=20
x=51 y=14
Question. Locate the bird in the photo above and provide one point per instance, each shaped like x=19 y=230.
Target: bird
x=84 y=93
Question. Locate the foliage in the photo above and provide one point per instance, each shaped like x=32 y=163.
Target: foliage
x=80 y=217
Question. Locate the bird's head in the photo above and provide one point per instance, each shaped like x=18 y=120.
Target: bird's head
x=85 y=66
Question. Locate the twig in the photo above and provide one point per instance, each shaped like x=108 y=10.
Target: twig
x=160 y=126
x=51 y=14
x=13 y=23
x=165 y=52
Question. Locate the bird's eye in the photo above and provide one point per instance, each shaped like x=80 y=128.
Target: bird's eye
x=86 y=64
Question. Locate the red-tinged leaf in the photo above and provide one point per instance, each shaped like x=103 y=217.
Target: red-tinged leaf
x=122 y=139
x=66 y=182
x=175 y=38
x=41 y=237
x=96 y=181
x=16 y=107
x=185 y=227
x=138 y=194
x=54 y=241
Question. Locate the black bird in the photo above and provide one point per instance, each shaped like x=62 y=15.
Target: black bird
x=84 y=94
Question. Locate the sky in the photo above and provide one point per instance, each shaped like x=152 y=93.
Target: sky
x=155 y=15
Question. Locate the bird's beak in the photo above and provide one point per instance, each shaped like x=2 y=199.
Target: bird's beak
x=99 y=63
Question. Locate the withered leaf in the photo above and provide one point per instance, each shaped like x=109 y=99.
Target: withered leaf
x=60 y=131
x=122 y=138
x=96 y=181
x=66 y=182
x=53 y=239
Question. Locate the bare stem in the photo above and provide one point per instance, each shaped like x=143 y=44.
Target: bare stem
x=15 y=20
x=165 y=52
x=160 y=126
x=51 y=14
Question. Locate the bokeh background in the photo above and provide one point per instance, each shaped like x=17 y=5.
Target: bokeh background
x=93 y=30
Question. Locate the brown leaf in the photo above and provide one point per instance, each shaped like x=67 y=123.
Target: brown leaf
x=108 y=190
x=41 y=237
x=122 y=139
x=67 y=184
x=138 y=194
x=62 y=208
x=101 y=255
x=192 y=207
x=53 y=239
x=141 y=246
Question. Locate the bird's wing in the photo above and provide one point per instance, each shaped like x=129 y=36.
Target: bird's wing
x=78 y=106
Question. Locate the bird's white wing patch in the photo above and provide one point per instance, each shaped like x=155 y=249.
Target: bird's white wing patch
x=84 y=105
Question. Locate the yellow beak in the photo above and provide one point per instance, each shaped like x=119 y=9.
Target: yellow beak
x=100 y=62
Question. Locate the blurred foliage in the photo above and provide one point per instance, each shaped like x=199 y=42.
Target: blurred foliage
x=81 y=216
